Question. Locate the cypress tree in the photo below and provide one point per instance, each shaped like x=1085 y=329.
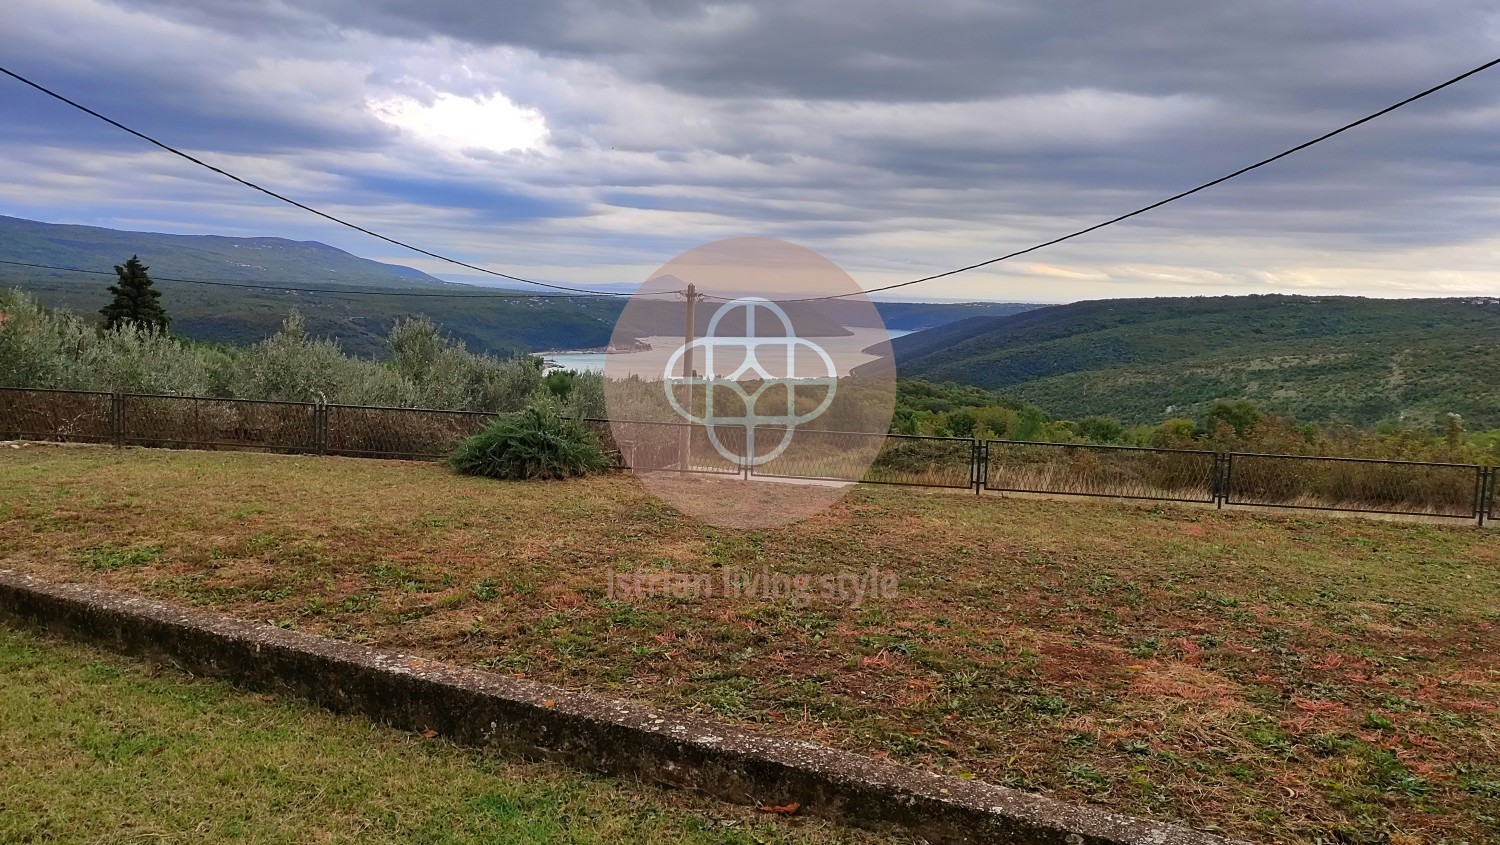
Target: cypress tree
x=136 y=302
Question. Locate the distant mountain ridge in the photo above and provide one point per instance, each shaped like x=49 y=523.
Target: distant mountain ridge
x=1317 y=358
x=216 y=257
x=513 y=322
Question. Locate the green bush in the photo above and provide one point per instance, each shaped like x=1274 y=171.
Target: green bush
x=539 y=442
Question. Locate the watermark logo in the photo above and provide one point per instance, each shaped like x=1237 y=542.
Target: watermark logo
x=849 y=588
x=751 y=381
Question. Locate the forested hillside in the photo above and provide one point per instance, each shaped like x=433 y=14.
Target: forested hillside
x=1313 y=358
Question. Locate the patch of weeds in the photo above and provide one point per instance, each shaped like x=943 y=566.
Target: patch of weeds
x=570 y=644
x=508 y=663
x=966 y=681
x=816 y=624
x=1088 y=777
x=1329 y=745
x=1146 y=648
x=390 y=575
x=1047 y=705
x=415 y=614
x=893 y=643
x=1081 y=740
x=278 y=594
x=1476 y=782
x=1385 y=772
x=1377 y=721
x=730 y=697
x=1269 y=737
x=1101 y=585
x=485 y=590
x=1397 y=704
x=357 y=603
x=106 y=558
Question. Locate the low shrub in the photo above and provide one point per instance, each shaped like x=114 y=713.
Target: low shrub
x=539 y=442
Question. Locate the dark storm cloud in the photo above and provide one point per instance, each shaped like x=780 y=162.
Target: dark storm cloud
x=838 y=119
x=1281 y=51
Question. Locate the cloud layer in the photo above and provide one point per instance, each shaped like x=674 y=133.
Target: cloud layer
x=589 y=141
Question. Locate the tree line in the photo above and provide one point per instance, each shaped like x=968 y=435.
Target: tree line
x=954 y=410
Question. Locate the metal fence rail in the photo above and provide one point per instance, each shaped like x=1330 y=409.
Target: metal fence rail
x=1366 y=485
x=1172 y=475
x=414 y=433
x=1411 y=488
x=186 y=422
x=910 y=460
x=666 y=446
x=68 y=416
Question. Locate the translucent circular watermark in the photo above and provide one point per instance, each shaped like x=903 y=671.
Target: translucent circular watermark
x=749 y=383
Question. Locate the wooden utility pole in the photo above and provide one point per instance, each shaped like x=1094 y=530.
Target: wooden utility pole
x=685 y=451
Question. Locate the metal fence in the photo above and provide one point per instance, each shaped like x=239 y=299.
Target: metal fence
x=679 y=447
x=1173 y=475
x=1442 y=490
x=1356 y=484
x=910 y=460
x=67 y=415
x=184 y=422
x=370 y=432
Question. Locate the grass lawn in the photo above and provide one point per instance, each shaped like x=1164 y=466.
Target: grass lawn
x=94 y=748
x=1276 y=676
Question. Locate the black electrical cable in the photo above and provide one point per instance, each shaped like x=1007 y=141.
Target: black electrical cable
x=270 y=193
x=1159 y=203
x=339 y=291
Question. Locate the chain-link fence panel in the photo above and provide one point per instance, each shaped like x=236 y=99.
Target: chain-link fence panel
x=68 y=416
x=188 y=422
x=1353 y=484
x=1129 y=472
x=410 y=433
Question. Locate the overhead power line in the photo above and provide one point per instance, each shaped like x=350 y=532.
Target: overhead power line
x=288 y=200
x=337 y=290
x=1175 y=197
x=1035 y=247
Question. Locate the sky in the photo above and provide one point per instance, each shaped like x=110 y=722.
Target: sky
x=589 y=142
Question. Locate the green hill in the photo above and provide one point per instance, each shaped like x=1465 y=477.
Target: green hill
x=1316 y=358
x=499 y=326
x=239 y=315
x=269 y=260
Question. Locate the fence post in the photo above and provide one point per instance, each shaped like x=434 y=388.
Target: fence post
x=1223 y=475
x=117 y=417
x=1485 y=490
x=320 y=428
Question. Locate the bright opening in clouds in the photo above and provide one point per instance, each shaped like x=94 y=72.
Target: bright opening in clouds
x=460 y=123
x=587 y=141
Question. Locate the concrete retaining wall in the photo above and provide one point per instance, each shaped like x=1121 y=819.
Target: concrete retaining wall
x=534 y=721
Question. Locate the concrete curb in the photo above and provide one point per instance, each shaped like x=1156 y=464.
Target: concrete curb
x=537 y=721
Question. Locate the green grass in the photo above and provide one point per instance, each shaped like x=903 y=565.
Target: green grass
x=94 y=748
x=1285 y=677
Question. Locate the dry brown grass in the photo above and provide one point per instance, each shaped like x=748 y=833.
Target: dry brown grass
x=1275 y=675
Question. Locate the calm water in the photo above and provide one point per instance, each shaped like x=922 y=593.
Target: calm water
x=594 y=361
